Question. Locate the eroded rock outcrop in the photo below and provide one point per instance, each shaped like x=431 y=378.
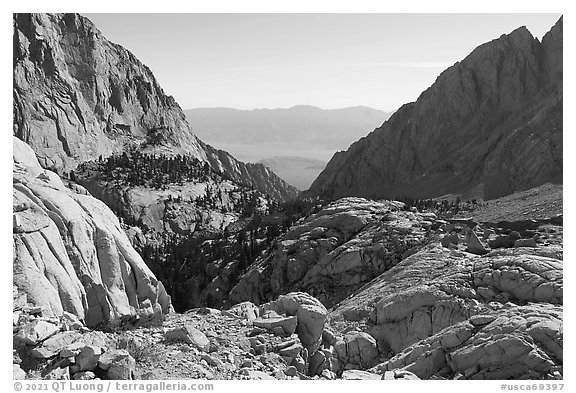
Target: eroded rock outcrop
x=335 y=251
x=70 y=254
x=437 y=288
x=451 y=314
x=523 y=342
x=490 y=125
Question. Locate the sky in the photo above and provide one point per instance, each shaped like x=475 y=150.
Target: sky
x=251 y=61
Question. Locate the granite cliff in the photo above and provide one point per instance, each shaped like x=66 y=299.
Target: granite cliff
x=490 y=125
x=78 y=96
x=71 y=255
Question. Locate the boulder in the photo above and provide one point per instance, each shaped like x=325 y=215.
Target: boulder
x=257 y=375
x=53 y=345
x=357 y=348
x=17 y=372
x=359 y=375
x=311 y=316
x=88 y=358
x=84 y=376
x=399 y=374
x=35 y=332
x=329 y=337
x=189 y=334
x=291 y=371
x=245 y=310
x=318 y=363
x=473 y=244
x=291 y=351
x=300 y=363
x=501 y=242
x=287 y=325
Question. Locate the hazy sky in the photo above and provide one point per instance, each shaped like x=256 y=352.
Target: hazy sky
x=328 y=60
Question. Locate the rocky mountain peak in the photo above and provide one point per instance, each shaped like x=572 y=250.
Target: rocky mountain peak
x=552 y=51
x=78 y=96
x=489 y=125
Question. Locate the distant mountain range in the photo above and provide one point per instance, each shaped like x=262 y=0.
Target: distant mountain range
x=302 y=130
x=296 y=142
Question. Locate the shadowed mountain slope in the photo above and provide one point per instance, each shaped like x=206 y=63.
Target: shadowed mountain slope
x=490 y=125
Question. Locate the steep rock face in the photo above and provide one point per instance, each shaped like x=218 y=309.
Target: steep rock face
x=70 y=254
x=78 y=96
x=335 y=251
x=491 y=124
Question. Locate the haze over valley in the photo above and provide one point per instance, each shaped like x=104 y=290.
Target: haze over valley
x=296 y=142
